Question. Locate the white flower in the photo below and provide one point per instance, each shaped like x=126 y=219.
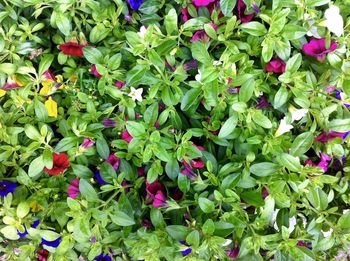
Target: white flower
x=327 y=233
x=297 y=114
x=136 y=94
x=228 y=242
x=313 y=29
x=334 y=21
x=198 y=77
x=142 y=32
x=292 y=221
x=283 y=128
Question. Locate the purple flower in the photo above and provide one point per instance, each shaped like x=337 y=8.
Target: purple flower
x=330 y=88
x=193 y=64
x=159 y=200
x=339 y=94
x=99 y=178
x=87 y=143
x=317 y=48
x=189 y=173
x=95 y=72
x=114 y=161
x=201 y=34
x=240 y=9
x=135 y=4
x=108 y=122
x=255 y=8
x=103 y=257
x=187 y=250
x=146 y=224
x=234 y=253
x=54 y=243
x=199 y=3
x=276 y=65
x=170 y=67
x=34 y=225
x=324 y=137
x=7 y=187
x=263 y=103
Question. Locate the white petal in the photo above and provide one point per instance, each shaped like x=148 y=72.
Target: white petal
x=292 y=223
x=299 y=114
x=283 y=128
x=327 y=233
x=228 y=242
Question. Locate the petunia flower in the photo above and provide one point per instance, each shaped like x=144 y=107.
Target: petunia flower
x=51 y=107
x=276 y=65
x=103 y=257
x=126 y=136
x=199 y=3
x=135 y=4
x=187 y=250
x=317 y=48
x=341 y=95
x=6 y=187
x=283 y=127
x=334 y=21
x=72 y=49
x=297 y=114
x=25 y=233
x=240 y=9
x=95 y=72
x=54 y=243
x=114 y=161
x=48 y=75
x=152 y=189
x=185 y=15
x=60 y=164
x=108 y=122
x=42 y=254
x=146 y=224
x=160 y=200
x=73 y=188
x=263 y=103
x=12 y=83
x=99 y=178
x=142 y=32
x=201 y=34
x=2 y=92
x=50 y=86
x=189 y=173
x=87 y=143
x=234 y=253
x=136 y=94
x=324 y=137
x=193 y=64
x=119 y=84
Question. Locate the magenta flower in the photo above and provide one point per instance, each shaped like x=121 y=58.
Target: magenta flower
x=199 y=3
x=10 y=85
x=73 y=188
x=324 y=137
x=160 y=200
x=146 y=224
x=48 y=75
x=95 y=72
x=119 y=84
x=87 y=143
x=189 y=173
x=201 y=34
x=114 y=161
x=234 y=253
x=126 y=136
x=170 y=67
x=152 y=189
x=276 y=65
x=185 y=14
x=317 y=48
x=240 y=9
x=330 y=88
x=140 y=172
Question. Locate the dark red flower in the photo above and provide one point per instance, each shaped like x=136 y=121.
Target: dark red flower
x=276 y=65
x=152 y=189
x=240 y=9
x=72 y=48
x=60 y=164
x=42 y=255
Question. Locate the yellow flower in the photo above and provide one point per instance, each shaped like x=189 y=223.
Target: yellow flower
x=46 y=87
x=50 y=86
x=2 y=93
x=51 y=107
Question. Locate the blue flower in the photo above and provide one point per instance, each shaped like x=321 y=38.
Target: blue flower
x=99 y=178
x=187 y=250
x=54 y=243
x=103 y=257
x=34 y=225
x=135 y=4
x=7 y=187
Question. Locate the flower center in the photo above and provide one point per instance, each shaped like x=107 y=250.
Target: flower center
x=3 y=187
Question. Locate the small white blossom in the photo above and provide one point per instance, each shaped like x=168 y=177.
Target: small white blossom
x=334 y=21
x=227 y=243
x=283 y=128
x=327 y=233
x=198 y=77
x=142 y=32
x=136 y=94
x=297 y=114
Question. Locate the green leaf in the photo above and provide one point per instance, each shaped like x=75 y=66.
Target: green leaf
x=32 y=132
x=302 y=143
x=47 y=158
x=63 y=23
x=312 y=3
x=206 y=205
x=87 y=190
x=8 y=68
x=344 y=221
x=208 y=227
x=317 y=198
x=262 y=120
x=45 y=63
x=290 y=162
x=93 y=55
x=280 y=97
x=134 y=76
x=122 y=219
x=36 y=166
x=254 y=28
x=247 y=89
x=294 y=63
x=193 y=238
x=102 y=148
x=82 y=171
x=227 y=6
x=135 y=129
x=200 y=53
x=40 y=110
x=177 y=232
x=340 y=125
x=253 y=198
x=22 y=209
x=10 y=232
x=107 y=172
x=170 y=21
x=66 y=144
x=293 y=32
x=172 y=169
x=98 y=33
x=228 y=127
x=151 y=114
x=190 y=98
x=264 y=169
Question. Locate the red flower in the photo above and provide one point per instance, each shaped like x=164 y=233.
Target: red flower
x=60 y=164
x=276 y=65
x=72 y=48
x=42 y=255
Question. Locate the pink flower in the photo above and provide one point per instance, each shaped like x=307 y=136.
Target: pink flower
x=317 y=48
x=152 y=189
x=324 y=137
x=126 y=136
x=198 y=3
x=114 y=161
x=48 y=75
x=276 y=65
x=240 y=9
x=330 y=89
x=160 y=200
x=119 y=84
x=87 y=143
x=201 y=35
x=73 y=188
x=185 y=15
x=94 y=71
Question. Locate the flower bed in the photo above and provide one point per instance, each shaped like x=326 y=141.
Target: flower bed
x=169 y=130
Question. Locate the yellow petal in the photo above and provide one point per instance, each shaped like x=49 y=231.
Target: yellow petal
x=2 y=93
x=46 y=87
x=51 y=107
x=18 y=81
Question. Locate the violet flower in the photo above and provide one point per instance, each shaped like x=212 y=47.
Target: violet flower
x=54 y=243
x=7 y=187
x=108 y=122
x=135 y=4
x=103 y=257
x=263 y=103
x=193 y=64
x=276 y=65
x=114 y=161
x=240 y=9
x=317 y=48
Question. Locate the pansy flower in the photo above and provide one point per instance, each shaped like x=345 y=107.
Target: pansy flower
x=60 y=164
x=54 y=243
x=317 y=48
x=6 y=187
x=72 y=49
